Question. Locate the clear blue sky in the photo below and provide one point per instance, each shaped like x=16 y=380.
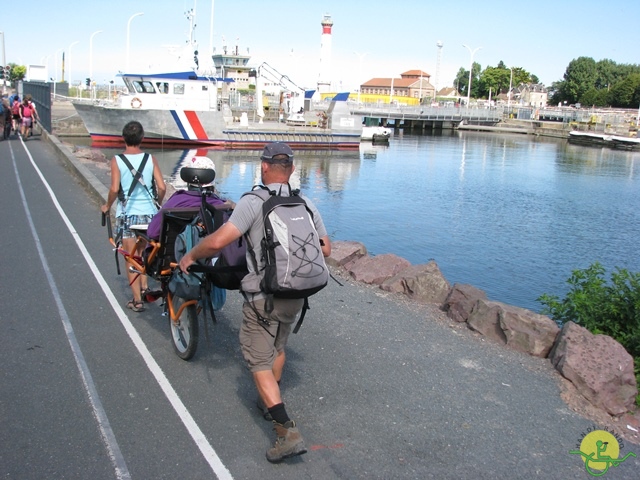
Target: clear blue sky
x=389 y=36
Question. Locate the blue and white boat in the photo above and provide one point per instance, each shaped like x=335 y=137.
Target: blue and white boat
x=187 y=108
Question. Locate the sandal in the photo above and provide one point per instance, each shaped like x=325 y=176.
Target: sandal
x=136 y=306
x=143 y=294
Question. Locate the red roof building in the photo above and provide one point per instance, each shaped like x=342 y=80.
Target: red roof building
x=412 y=83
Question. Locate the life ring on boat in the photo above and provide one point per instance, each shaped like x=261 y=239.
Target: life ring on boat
x=136 y=102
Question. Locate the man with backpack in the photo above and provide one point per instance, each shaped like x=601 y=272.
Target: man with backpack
x=268 y=317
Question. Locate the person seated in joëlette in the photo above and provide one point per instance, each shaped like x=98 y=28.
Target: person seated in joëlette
x=191 y=197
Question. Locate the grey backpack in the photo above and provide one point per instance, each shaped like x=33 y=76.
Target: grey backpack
x=292 y=254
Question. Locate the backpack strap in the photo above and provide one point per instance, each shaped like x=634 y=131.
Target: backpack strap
x=137 y=174
x=305 y=307
x=137 y=178
x=252 y=253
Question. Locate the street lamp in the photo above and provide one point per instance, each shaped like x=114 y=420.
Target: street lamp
x=55 y=69
x=472 y=52
x=91 y=53
x=45 y=62
x=129 y=34
x=361 y=57
x=69 y=60
x=91 y=61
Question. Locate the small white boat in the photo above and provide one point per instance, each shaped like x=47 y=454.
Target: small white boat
x=604 y=140
x=376 y=134
x=296 y=119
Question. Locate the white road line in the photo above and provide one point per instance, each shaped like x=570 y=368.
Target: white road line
x=197 y=435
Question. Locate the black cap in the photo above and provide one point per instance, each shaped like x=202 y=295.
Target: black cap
x=277 y=153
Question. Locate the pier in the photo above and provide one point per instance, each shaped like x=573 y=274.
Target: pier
x=425 y=118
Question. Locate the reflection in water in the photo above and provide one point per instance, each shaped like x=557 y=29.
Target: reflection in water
x=510 y=214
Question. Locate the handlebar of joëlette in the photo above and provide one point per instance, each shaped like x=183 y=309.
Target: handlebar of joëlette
x=198 y=268
x=106 y=220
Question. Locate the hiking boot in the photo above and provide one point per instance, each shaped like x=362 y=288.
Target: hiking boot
x=263 y=408
x=288 y=444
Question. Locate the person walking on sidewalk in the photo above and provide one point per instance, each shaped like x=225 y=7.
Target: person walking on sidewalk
x=14 y=100
x=263 y=342
x=133 y=188
x=26 y=118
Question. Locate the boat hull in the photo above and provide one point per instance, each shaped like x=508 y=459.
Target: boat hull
x=376 y=134
x=603 y=140
x=205 y=128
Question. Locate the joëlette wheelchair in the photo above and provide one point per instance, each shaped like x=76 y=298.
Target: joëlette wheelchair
x=160 y=262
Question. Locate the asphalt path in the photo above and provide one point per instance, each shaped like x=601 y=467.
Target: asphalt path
x=382 y=388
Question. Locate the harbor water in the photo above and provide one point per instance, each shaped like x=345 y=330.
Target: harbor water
x=510 y=214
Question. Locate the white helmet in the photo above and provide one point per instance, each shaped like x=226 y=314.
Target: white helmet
x=201 y=162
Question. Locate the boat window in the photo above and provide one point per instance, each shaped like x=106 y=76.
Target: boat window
x=163 y=87
x=205 y=88
x=143 y=87
x=128 y=84
x=178 y=88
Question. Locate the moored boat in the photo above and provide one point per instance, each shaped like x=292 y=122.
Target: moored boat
x=183 y=109
x=376 y=134
x=604 y=140
x=190 y=107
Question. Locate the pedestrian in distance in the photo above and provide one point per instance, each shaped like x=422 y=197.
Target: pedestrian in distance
x=134 y=189
x=26 y=113
x=263 y=335
x=14 y=100
x=34 y=112
x=5 y=117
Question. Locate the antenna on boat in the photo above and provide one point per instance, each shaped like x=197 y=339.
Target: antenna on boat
x=191 y=16
x=191 y=43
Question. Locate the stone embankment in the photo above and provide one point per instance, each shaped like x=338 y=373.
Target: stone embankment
x=597 y=366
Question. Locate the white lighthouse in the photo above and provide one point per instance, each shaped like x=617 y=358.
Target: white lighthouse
x=324 y=79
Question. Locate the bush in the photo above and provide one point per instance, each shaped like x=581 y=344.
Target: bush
x=607 y=308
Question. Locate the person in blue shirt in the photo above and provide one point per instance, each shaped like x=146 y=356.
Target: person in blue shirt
x=137 y=208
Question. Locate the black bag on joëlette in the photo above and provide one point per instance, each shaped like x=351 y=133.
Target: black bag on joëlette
x=185 y=286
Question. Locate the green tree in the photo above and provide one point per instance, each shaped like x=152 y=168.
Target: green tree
x=624 y=94
x=580 y=76
x=18 y=72
x=595 y=98
x=494 y=80
x=497 y=79
x=520 y=76
x=606 y=73
x=476 y=68
x=462 y=81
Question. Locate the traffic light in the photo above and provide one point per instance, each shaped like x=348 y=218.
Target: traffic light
x=88 y=82
x=1 y=73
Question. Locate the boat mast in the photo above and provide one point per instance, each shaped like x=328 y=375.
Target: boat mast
x=191 y=16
